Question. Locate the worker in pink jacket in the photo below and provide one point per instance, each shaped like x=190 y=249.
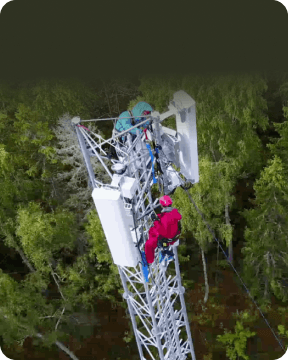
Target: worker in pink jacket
x=164 y=231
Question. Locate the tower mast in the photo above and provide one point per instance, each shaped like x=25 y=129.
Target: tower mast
x=154 y=294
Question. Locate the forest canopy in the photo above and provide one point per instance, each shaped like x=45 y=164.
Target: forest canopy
x=48 y=221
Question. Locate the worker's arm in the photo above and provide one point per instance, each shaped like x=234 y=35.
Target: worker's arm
x=176 y=214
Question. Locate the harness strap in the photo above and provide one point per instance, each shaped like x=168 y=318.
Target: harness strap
x=164 y=242
x=167 y=209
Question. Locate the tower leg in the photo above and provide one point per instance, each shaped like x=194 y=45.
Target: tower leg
x=181 y=295
x=131 y=313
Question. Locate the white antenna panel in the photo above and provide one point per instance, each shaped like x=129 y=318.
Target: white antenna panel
x=113 y=217
x=185 y=108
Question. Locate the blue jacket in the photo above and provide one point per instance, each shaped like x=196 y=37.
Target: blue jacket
x=124 y=122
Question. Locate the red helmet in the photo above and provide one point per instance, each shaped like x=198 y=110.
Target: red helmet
x=165 y=200
x=146 y=112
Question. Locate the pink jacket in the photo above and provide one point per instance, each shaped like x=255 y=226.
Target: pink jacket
x=167 y=228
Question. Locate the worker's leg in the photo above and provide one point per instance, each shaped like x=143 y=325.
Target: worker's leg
x=163 y=253
x=123 y=139
x=133 y=137
x=112 y=153
x=167 y=252
x=150 y=247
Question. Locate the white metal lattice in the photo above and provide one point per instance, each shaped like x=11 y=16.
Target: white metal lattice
x=157 y=307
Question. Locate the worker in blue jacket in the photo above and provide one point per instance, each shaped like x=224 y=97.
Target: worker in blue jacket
x=128 y=119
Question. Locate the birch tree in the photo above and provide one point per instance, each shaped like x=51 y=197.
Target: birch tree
x=208 y=196
x=23 y=312
x=45 y=239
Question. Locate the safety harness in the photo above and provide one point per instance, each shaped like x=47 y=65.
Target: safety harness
x=165 y=242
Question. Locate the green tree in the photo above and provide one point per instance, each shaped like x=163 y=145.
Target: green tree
x=54 y=97
x=266 y=249
x=44 y=238
x=107 y=278
x=25 y=313
x=43 y=235
x=41 y=208
x=236 y=343
x=28 y=141
x=22 y=305
x=15 y=188
x=72 y=179
x=283 y=331
x=30 y=145
x=208 y=196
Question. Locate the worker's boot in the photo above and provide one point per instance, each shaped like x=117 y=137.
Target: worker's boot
x=163 y=253
x=169 y=253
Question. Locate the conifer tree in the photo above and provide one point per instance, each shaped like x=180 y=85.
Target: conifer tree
x=266 y=248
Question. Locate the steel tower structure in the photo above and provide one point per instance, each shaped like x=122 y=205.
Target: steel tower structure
x=154 y=294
